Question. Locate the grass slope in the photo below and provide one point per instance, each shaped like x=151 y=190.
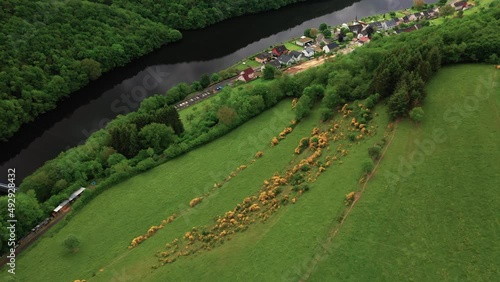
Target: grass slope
x=439 y=222
x=114 y=218
x=108 y=224
x=271 y=251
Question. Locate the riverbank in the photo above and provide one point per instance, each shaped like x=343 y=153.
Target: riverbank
x=37 y=72
x=71 y=124
x=387 y=24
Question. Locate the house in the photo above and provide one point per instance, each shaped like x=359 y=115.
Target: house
x=303 y=41
x=279 y=50
x=409 y=29
x=330 y=47
x=263 y=57
x=363 y=39
x=275 y=63
x=432 y=13
x=389 y=24
x=376 y=25
x=356 y=29
x=405 y=19
x=460 y=5
x=296 y=55
x=247 y=75
x=367 y=31
x=286 y=59
x=308 y=52
x=418 y=16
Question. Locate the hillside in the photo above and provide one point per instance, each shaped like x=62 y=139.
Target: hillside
x=430 y=213
x=432 y=201
x=149 y=198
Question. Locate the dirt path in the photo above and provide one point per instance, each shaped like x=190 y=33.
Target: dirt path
x=336 y=229
x=305 y=66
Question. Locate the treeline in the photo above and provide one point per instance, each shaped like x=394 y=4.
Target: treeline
x=188 y=14
x=49 y=49
x=393 y=68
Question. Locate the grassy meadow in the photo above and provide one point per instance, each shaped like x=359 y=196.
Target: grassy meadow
x=431 y=211
x=435 y=220
x=127 y=210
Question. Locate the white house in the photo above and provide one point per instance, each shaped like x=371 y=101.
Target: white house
x=308 y=52
x=296 y=55
x=304 y=40
x=329 y=47
x=286 y=59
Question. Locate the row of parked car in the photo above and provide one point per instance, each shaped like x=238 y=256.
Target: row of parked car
x=195 y=99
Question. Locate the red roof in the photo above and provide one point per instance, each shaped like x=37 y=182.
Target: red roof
x=248 y=74
x=364 y=39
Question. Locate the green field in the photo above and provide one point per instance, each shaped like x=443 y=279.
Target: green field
x=440 y=221
x=127 y=210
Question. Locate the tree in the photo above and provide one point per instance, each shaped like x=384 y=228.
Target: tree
x=303 y=107
x=169 y=116
x=268 y=72
x=307 y=32
x=314 y=92
x=446 y=10
x=72 y=243
x=417 y=114
x=418 y=4
x=205 y=80
x=398 y=103
x=441 y=3
x=327 y=33
x=226 y=115
x=196 y=86
x=313 y=32
x=92 y=68
x=323 y=27
x=374 y=152
x=157 y=136
x=215 y=77
x=124 y=139
x=367 y=166
x=115 y=159
x=392 y=14
x=460 y=14
x=331 y=99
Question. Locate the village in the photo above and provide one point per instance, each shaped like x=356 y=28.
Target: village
x=320 y=44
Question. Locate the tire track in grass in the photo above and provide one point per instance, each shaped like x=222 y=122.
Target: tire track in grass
x=336 y=229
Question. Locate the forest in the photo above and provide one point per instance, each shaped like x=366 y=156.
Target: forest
x=392 y=69
x=188 y=14
x=50 y=49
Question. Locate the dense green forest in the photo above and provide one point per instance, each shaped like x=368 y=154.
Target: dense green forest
x=52 y=48
x=391 y=69
x=49 y=49
x=189 y=14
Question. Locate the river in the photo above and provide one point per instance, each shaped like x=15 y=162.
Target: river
x=201 y=51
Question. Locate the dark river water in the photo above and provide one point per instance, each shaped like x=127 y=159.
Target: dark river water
x=202 y=51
